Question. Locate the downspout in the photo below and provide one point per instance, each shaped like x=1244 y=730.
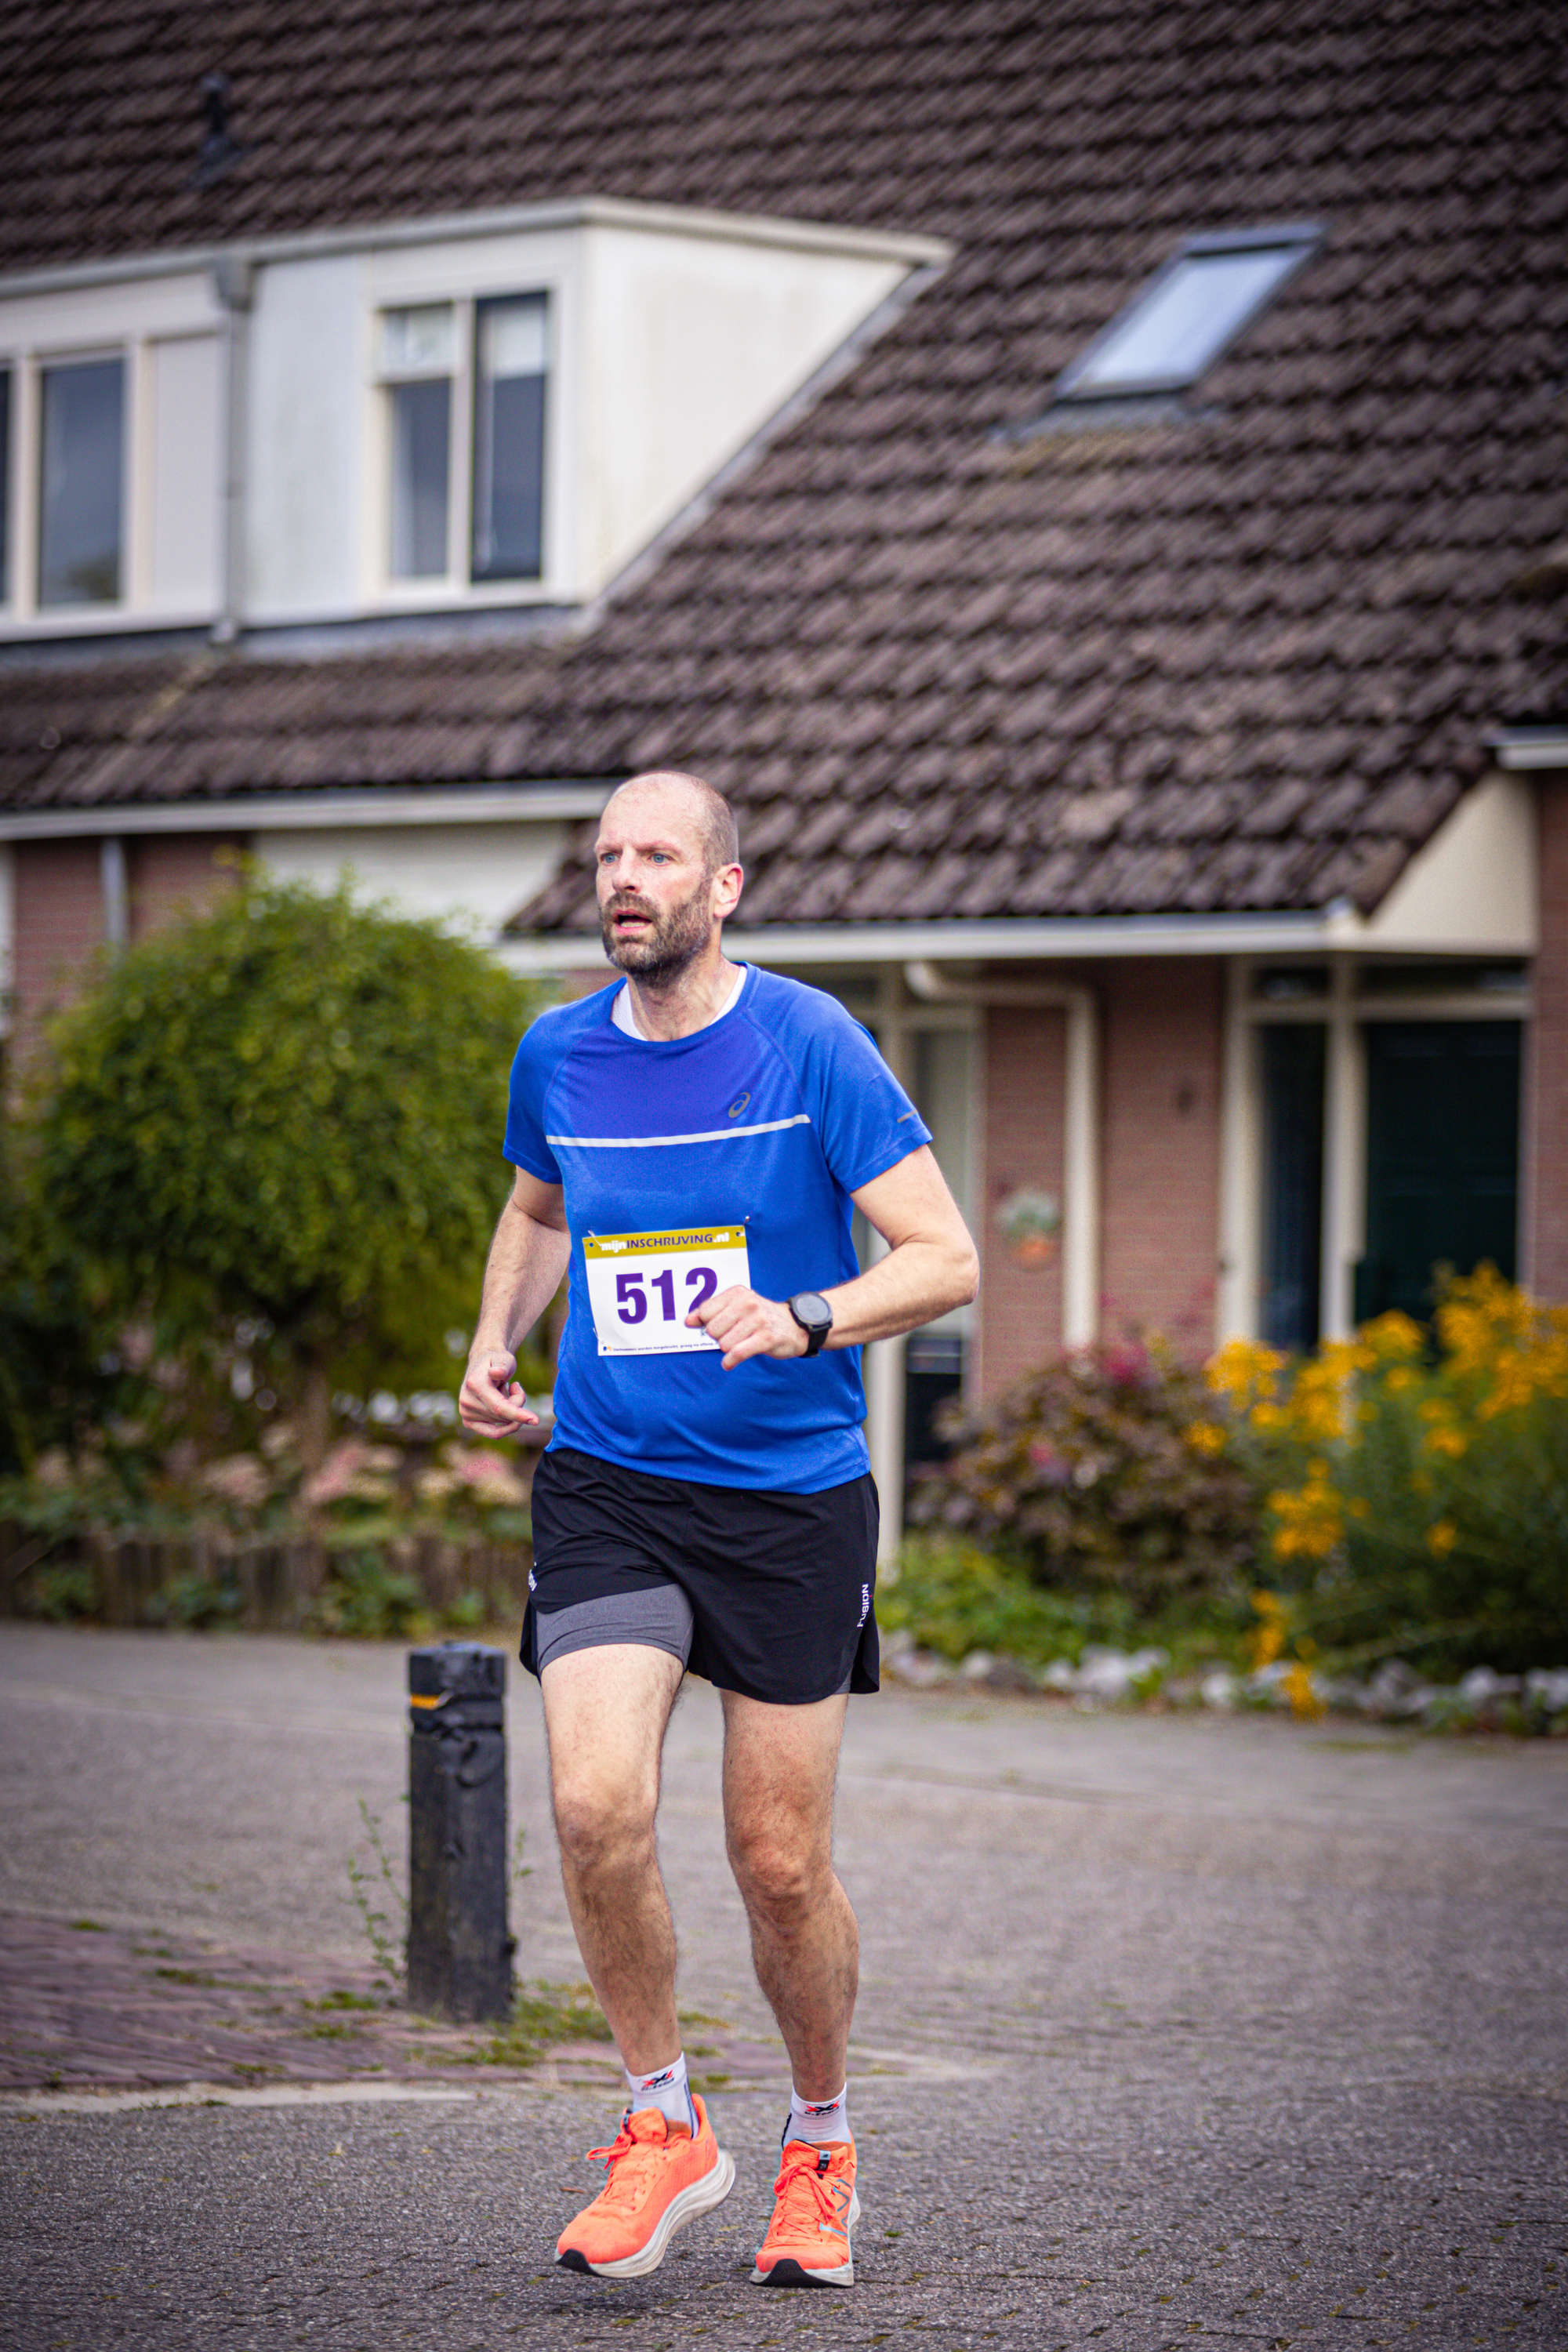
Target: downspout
x=234 y=279
x=115 y=888
x=1081 y=1124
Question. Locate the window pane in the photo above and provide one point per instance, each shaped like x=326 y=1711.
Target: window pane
x=1171 y=336
x=79 y=507
x=421 y=435
x=418 y=342
x=1293 y=1067
x=509 y=438
x=5 y=484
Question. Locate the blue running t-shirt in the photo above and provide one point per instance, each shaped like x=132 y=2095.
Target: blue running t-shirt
x=688 y=1163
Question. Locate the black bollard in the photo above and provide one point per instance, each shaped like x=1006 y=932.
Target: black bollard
x=459 y=1949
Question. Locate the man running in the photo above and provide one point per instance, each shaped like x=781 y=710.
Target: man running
x=691 y=1146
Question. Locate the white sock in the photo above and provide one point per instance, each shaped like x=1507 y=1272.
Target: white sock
x=818 y=2120
x=667 y=2089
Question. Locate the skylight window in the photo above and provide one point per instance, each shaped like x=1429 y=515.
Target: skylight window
x=1189 y=313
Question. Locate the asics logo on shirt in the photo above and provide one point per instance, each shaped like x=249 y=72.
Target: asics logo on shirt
x=738 y=1106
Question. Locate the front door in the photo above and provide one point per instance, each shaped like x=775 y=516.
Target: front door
x=1442 y=1176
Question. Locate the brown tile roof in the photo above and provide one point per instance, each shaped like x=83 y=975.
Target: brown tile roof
x=947 y=667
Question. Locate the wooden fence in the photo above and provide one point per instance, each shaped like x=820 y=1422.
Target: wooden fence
x=267 y=1584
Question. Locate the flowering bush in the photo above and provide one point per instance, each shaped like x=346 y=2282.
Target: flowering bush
x=1418 y=1499
x=400 y=1534
x=1103 y=1471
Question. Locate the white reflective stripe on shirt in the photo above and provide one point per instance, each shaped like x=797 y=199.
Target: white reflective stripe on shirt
x=657 y=1142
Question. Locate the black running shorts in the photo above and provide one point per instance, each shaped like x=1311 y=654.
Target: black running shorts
x=766 y=1594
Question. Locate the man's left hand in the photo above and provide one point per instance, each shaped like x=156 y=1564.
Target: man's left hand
x=746 y=1324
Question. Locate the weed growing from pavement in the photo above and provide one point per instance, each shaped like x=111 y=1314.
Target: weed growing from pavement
x=361 y=1886
x=542 y=2015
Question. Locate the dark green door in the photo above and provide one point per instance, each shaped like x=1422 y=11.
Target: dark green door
x=1442 y=1157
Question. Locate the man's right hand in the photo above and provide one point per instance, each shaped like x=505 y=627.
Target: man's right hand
x=491 y=1402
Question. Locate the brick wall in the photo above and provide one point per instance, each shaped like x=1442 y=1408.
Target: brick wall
x=172 y=873
x=1162 y=1038
x=58 y=918
x=1545 y=1222
x=1161 y=1074
x=58 y=906
x=1020 y=1320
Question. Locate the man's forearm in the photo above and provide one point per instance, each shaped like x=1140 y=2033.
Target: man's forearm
x=912 y=1285
x=522 y=1275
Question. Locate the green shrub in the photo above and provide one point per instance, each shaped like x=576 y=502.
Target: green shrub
x=366 y=1599
x=199 y=1604
x=1415 y=1504
x=954 y=1598
x=63 y=1595
x=1099 y=1475
x=281 y=1123
x=53 y=1379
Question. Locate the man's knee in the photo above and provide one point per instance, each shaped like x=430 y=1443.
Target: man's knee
x=779 y=1869
x=600 y=1826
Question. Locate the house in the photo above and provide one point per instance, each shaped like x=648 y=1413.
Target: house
x=1088 y=483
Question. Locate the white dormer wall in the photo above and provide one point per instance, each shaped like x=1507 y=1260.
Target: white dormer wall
x=672 y=338
x=671 y=341
x=694 y=336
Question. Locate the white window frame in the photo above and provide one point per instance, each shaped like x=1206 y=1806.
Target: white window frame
x=27 y=364
x=455 y=587
x=60 y=329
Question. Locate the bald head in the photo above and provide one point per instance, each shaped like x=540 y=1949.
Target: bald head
x=710 y=811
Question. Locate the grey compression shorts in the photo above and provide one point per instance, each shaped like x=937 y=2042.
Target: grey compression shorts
x=655 y=1616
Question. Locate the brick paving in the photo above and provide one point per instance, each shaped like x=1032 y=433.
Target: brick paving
x=87 y=2007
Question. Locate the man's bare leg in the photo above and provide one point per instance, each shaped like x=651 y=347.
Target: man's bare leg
x=605 y=1712
x=779 y=1768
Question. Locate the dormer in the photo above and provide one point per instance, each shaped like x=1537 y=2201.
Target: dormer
x=436 y=418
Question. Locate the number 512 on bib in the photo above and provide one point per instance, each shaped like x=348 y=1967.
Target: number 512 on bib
x=642 y=1286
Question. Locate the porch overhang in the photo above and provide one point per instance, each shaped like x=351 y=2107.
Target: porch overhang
x=312 y=812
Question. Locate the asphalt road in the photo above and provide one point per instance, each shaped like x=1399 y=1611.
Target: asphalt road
x=1170 y=2029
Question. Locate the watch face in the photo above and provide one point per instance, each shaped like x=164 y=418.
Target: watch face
x=811 y=1308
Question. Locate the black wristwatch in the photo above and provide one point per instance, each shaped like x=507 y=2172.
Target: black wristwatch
x=814 y=1315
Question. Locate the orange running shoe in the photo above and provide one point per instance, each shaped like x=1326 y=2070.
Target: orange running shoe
x=814 y=2209
x=660 y=2179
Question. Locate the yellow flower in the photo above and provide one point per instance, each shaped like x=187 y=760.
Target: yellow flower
x=1392 y=1335
x=1305 y=1704
x=1206 y=1436
x=1244 y=1371
x=1441 y=1536
x=1310 y=1521
x=1267 y=1639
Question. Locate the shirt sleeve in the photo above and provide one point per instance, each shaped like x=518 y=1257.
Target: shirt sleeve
x=525 y=1145
x=865 y=1120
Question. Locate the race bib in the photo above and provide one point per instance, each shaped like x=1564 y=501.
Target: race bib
x=642 y=1286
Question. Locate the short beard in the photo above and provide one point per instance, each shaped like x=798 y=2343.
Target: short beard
x=677 y=939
